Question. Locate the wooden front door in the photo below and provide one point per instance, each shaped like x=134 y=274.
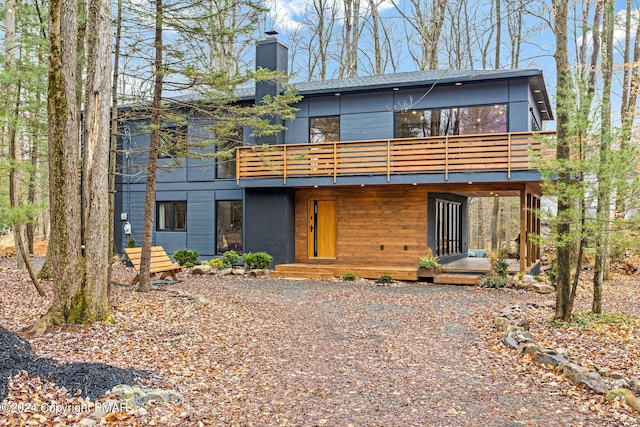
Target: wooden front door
x=322 y=229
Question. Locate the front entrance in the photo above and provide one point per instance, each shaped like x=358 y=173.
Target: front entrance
x=322 y=229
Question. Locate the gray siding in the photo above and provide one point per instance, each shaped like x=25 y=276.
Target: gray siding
x=201 y=226
x=354 y=127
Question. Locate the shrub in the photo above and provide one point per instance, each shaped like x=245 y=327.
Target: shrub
x=385 y=278
x=498 y=277
x=493 y=280
x=216 y=263
x=229 y=258
x=349 y=276
x=131 y=243
x=429 y=261
x=184 y=256
x=257 y=260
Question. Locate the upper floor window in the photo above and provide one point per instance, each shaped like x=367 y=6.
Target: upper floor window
x=324 y=129
x=173 y=141
x=171 y=216
x=226 y=156
x=451 y=121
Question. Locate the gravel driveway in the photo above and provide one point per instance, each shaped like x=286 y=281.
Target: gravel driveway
x=337 y=353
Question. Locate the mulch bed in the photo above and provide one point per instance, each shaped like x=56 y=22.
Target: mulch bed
x=260 y=351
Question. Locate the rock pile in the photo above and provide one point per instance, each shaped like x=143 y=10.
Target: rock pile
x=513 y=323
x=205 y=269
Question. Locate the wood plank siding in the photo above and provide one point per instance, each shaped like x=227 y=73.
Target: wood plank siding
x=374 y=225
x=491 y=152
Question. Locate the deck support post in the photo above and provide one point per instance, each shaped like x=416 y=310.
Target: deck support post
x=523 y=230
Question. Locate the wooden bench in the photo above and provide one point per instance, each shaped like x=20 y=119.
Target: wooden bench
x=161 y=264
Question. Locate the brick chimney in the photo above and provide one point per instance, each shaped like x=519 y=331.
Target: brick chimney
x=272 y=55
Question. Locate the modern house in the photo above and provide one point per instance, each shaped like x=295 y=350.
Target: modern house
x=371 y=173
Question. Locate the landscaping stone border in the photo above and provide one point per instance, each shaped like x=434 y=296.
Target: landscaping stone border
x=513 y=322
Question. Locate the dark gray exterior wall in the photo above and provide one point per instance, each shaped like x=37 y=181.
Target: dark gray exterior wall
x=372 y=115
x=269 y=223
x=269 y=206
x=193 y=181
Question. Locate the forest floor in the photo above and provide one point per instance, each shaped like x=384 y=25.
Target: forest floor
x=261 y=351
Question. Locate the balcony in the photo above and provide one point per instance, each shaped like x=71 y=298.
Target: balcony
x=471 y=153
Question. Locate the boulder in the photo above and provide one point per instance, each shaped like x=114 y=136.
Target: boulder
x=631 y=400
x=530 y=349
x=549 y=357
x=510 y=341
x=616 y=393
x=525 y=337
x=135 y=395
x=634 y=385
x=131 y=395
x=501 y=323
x=224 y=272
x=541 y=288
x=201 y=269
x=167 y=396
x=238 y=271
x=581 y=375
x=257 y=272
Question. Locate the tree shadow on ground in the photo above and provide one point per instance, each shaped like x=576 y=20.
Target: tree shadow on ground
x=92 y=379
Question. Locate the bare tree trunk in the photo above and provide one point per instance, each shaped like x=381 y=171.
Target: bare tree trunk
x=114 y=132
x=498 y=32
x=152 y=166
x=31 y=193
x=13 y=94
x=603 y=209
x=97 y=222
x=67 y=264
x=631 y=82
x=433 y=32
x=565 y=100
x=375 y=18
x=494 y=223
x=350 y=38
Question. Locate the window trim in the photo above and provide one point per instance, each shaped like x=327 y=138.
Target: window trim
x=448 y=231
x=451 y=107
x=217 y=211
x=335 y=116
x=172 y=215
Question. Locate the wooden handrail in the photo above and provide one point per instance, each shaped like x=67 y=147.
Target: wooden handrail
x=507 y=152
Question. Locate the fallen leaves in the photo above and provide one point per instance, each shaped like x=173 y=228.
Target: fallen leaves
x=275 y=352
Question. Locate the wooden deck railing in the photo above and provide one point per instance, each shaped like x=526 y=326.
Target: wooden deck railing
x=471 y=153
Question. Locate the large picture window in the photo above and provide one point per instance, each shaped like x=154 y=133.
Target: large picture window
x=451 y=121
x=448 y=227
x=228 y=226
x=324 y=129
x=171 y=216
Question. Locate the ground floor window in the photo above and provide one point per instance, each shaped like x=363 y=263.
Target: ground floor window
x=448 y=227
x=228 y=226
x=171 y=216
